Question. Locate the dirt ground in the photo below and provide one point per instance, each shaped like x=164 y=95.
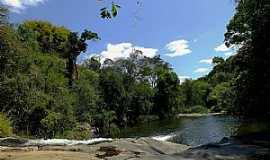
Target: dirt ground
x=45 y=155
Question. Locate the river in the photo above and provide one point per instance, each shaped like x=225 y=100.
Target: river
x=195 y=131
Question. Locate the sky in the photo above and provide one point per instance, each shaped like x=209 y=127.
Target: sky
x=185 y=33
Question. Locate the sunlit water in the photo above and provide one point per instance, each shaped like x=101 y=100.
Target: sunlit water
x=196 y=131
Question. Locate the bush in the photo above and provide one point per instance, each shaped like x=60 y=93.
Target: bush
x=80 y=132
x=5 y=126
x=199 y=109
x=195 y=109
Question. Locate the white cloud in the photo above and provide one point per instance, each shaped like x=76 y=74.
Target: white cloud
x=178 y=48
x=222 y=48
x=228 y=54
x=195 y=40
x=183 y=78
x=202 y=70
x=117 y=51
x=123 y=50
x=207 y=61
x=18 y=5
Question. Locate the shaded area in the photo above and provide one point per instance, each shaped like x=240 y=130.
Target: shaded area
x=248 y=147
x=109 y=151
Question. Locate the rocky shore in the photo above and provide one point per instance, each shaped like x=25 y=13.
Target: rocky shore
x=250 y=147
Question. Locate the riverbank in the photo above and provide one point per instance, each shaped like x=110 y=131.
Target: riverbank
x=199 y=114
x=249 y=147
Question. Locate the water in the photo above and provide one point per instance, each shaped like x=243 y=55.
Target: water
x=63 y=142
x=196 y=130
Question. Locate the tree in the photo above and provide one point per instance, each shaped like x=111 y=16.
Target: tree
x=218 y=60
x=200 y=91
x=87 y=95
x=93 y=63
x=221 y=97
x=51 y=39
x=51 y=124
x=249 y=27
x=114 y=94
x=75 y=45
x=3 y=17
x=167 y=94
x=141 y=103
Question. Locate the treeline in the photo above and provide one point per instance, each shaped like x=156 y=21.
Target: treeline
x=240 y=84
x=45 y=93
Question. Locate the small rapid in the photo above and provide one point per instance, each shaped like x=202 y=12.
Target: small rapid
x=63 y=142
x=163 y=137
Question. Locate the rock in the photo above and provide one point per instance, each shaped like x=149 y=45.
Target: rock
x=18 y=149
x=255 y=147
x=12 y=142
x=118 y=149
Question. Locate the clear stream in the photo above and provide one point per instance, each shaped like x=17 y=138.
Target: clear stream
x=196 y=130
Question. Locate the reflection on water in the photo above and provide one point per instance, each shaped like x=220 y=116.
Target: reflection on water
x=196 y=131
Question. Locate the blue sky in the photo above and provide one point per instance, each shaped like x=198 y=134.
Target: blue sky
x=186 y=33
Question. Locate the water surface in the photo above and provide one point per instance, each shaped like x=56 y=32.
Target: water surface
x=196 y=130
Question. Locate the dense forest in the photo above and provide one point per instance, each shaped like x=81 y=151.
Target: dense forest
x=45 y=93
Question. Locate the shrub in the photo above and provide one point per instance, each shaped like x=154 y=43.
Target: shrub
x=5 y=126
x=195 y=109
x=199 y=109
x=80 y=132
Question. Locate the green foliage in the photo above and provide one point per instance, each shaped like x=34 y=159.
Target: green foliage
x=106 y=14
x=194 y=93
x=196 y=109
x=166 y=95
x=217 y=60
x=250 y=28
x=51 y=38
x=93 y=63
x=221 y=96
x=104 y=121
x=51 y=124
x=74 y=46
x=45 y=93
x=80 y=132
x=87 y=96
x=5 y=126
x=200 y=91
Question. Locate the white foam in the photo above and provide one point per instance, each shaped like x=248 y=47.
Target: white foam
x=66 y=141
x=163 y=137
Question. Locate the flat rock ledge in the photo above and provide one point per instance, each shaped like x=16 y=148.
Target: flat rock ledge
x=118 y=149
x=249 y=147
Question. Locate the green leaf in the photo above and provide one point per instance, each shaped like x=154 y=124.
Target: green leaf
x=105 y=13
x=115 y=8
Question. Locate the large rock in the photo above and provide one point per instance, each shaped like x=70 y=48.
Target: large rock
x=118 y=149
x=12 y=142
x=249 y=147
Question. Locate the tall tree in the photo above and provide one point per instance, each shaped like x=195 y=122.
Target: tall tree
x=250 y=28
x=75 y=45
x=167 y=94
